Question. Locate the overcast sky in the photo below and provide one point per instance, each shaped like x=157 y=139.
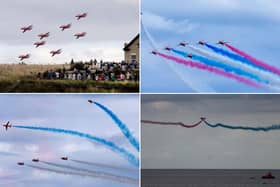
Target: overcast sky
x=250 y=25
x=69 y=112
x=211 y=148
x=109 y=24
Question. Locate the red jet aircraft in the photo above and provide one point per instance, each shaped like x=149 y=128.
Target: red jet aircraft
x=57 y=52
x=79 y=16
x=63 y=27
x=7 y=125
x=201 y=42
x=27 y=28
x=203 y=118
x=44 y=35
x=64 y=158
x=222 y=42
x=79 y=35
x=184 y=44
x=154 y=52
x=38 y=44
x=22 y=57
x=168 y=48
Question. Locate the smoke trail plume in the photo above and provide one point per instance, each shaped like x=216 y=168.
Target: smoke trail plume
x=187 y=82
x=126 y=132
x=4 y=153
x=232 y=56
x=103 y=165
x=172 y=123
x=271 y=77
x=237 y=127
x=56 y=171
x=99 y=174
x=210 y=69
x=135 y=182
x=254 y=60
x=131 y=158
x=221 y=65
x=265 y=129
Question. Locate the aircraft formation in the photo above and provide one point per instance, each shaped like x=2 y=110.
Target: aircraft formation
x=184 y=44
x=37 y=160
x=227 y=61
x=46 y=35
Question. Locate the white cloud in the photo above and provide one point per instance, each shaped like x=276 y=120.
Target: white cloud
x=31 y=148
x=41 y=175
x=72 y=148
x=267 y=9
x=158 y=22
x=108 y=51
x=264 y=8
x=161 y=105
x=6 y=147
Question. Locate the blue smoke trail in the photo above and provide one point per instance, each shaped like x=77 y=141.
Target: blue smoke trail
x=179 y=52
x=265 y=129
x=233 y=56
x=131 y=158
x=121 y=125
x=221 y=65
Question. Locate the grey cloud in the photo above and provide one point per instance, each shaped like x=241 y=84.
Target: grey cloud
x=205 y=147
x=108 y=23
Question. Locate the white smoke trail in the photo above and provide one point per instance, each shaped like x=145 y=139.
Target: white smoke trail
x=103 y=165
x=274 y=80
x=98 y=174
x=58 y=171
x=4 y=153
x=189 y=82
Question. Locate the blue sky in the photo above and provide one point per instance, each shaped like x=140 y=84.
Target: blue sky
x=210 y=148
x=249 y=25
x=68 y=112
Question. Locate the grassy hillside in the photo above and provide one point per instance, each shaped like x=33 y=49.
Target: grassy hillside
x=22 y=78
x=16 y=71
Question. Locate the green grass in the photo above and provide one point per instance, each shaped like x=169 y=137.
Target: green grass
x=17 y=71
x=15 y=78
x=72 y=86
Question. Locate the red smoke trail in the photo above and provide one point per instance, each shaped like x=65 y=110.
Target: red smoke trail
x=172 y=123
x=211 y=69
x=254 y=60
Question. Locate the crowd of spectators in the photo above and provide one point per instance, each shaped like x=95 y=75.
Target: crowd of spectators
x=94 y=70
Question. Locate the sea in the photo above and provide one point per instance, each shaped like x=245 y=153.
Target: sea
x=208 y=178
